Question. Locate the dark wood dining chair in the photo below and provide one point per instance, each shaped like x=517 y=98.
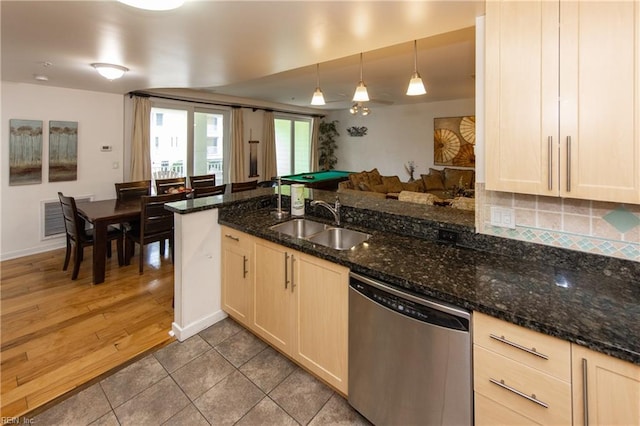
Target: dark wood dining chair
x=156 y=224
x=244 y=186
x=202 y=180
x=165 y=186
x=127 y=191
x=207 y=191
x=78 y=237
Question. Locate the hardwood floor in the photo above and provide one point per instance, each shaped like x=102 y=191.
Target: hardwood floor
x=59 y=334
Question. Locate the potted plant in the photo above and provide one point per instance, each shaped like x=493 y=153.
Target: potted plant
x=327 y=144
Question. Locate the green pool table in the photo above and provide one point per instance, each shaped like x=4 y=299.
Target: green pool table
x=327 y=179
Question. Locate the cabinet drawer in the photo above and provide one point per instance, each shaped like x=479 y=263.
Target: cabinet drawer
x=537 y=350
x=236 y=238
x=490 y=413
x=522 y=389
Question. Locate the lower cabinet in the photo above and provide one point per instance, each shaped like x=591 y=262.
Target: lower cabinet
x=298 y=303
x=520 y=376
x=237 y=275
x=606 y=390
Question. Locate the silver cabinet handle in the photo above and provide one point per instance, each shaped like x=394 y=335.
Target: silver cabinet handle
x=585 y=394
x=244 y=267
x=531 y=398
x=293 y=274
x=531 y=351
x=550 y=163
x=232 y=237
x=286 y=270
x=568 y=163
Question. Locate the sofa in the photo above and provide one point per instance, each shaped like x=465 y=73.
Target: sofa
x=446 y=184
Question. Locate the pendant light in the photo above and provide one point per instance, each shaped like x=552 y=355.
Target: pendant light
x=361 y=94
x=318 y=97
x=416 y=87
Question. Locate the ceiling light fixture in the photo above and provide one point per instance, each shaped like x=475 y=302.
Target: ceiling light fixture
x=154 y=4
x=318 y=97
x=359 y=108
x=416 y=87
x=361 y=94
x=110 y=71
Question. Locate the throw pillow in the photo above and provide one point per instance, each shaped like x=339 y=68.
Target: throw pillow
x=363 y=186
x=458 y=177
x=412 y=186
x=374 y=177
x=392 y=183
x=357 y=178
x=416 y=197
x=433 y=181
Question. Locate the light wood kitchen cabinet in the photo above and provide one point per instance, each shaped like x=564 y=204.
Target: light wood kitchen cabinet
x=274 y=315
x=563 y=99
x=520 y=376
x=301 y=308
x=237 y=275
x=609 y=386
x=322 y=321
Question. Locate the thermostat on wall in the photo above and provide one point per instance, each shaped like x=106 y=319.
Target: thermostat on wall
x=105 y=148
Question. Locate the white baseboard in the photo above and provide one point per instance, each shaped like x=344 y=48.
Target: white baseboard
x=48 y=246
x=183 y=333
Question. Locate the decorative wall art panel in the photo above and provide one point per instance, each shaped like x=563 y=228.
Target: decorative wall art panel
x=63 y=151
x=454 y=141
x=25 y=152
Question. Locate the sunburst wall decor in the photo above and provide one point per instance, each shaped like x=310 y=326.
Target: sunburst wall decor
x=454 y=140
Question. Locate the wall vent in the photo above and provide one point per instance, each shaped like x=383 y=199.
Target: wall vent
x=51 y=215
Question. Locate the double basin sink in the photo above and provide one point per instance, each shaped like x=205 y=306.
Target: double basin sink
x=322 y=234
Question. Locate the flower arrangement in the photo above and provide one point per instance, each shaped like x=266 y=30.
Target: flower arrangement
x=410 y=167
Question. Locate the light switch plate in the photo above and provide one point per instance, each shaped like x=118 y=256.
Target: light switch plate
x=503 y=217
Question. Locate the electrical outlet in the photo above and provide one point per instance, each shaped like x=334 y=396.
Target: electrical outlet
x=447 y=236
x=503 y=217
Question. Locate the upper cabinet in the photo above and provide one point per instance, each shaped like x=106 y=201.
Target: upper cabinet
x=563 y=99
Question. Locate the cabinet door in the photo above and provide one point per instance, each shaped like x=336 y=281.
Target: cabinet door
x=611 y=389
x=321 y=294
x=237 y=275
x=600 y=100
x=521 y=101
x=273 y=316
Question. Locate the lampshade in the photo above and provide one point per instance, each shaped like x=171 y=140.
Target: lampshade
x=361 y=94
x=154 y=4
x=416 y=86
x=110 y=71
x=318 y=97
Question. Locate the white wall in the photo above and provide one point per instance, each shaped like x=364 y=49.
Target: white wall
x=100 y=122
x=395 y=136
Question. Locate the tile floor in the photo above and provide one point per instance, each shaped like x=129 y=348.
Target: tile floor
x=221 y=376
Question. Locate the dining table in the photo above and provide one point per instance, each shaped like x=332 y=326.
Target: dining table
x=101 y=214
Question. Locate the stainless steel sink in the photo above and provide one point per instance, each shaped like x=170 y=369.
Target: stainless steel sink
x=339 y=238
x=299 y=228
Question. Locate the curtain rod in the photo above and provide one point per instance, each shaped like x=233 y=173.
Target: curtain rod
x=232 y=105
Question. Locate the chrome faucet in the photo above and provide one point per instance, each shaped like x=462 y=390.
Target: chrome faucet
x=335 y=210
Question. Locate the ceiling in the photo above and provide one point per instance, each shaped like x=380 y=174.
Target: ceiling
x=262 y=50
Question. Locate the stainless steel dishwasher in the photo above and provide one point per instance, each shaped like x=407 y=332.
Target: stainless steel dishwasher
x=409 y=357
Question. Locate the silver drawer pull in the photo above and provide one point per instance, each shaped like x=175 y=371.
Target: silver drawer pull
x=531 y=351
x=232 y=237
x=531 y=398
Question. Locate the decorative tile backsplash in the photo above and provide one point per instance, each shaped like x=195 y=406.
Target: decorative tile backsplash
x=609 y=229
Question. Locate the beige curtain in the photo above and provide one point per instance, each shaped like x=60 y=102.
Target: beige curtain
x=269 y=151
x=141 y=139
x=237 y=146
x=315 y=132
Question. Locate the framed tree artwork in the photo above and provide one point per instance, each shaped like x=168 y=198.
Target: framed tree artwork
x=63 y=151
x=25 y=152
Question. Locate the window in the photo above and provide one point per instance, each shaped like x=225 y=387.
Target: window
x=293 y=145
x=188 y=141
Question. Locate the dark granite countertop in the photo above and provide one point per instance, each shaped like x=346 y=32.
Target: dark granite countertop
x=589 y=300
